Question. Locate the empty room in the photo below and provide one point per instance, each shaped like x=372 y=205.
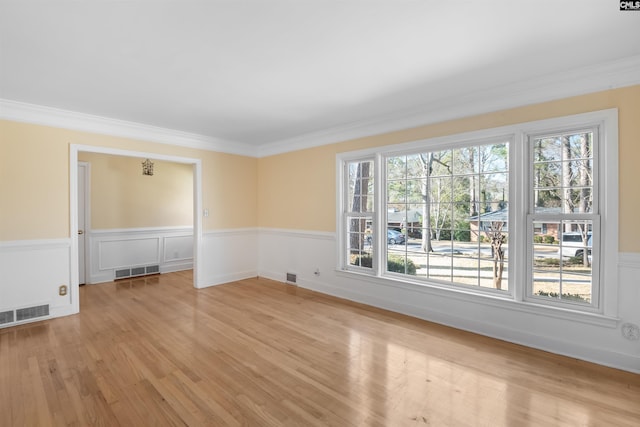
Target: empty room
x=314 y=213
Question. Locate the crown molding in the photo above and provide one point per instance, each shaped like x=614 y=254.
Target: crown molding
x=580 y=81
x=36 y=114
x=605 y=76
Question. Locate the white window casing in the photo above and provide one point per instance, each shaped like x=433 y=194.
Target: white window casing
x=521 y=216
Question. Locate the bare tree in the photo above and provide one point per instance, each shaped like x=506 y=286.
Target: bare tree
x=359 y=204
x=495 y=236
x=578 y=171
x=474 y=205
x=426 y=162
x=439 y=216
x=585 y=195
x=538 y=175
x=566 y=178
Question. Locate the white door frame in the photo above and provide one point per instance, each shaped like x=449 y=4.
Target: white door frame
x=87 y=217
x=73 y=208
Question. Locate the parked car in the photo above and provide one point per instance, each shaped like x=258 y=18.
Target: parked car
x=394 y=237
x=573 y=246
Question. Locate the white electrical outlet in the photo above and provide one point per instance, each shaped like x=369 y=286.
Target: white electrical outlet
x=631 y=331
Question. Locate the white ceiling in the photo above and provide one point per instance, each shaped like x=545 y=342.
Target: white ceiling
x=269 y=72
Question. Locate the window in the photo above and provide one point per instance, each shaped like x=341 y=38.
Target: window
x=562 y=201
x=359 y=210
x=451 y=208
x=526 y=213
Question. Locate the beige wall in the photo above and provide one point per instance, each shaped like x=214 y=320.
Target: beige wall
x=297 y=190
x=121 y=197
x=34 y=180
x=293 y=191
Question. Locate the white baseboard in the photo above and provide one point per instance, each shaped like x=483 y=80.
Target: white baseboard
x=170 y=268
x=228 y=278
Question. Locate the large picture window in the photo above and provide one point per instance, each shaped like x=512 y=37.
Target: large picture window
x=524 y=213
x=450 y=210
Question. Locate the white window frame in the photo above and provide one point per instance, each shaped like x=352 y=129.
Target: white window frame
x=594 y=216
x=344 y=212
x=519 y=296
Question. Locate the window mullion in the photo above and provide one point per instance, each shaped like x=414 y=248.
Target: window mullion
x=380 y=216
x=519 y=178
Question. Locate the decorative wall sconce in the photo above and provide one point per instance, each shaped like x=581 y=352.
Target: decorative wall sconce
x=147 y=167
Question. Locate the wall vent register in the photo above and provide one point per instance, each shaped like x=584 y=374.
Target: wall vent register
x=137 y=271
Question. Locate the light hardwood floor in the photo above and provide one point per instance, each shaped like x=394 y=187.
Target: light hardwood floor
x=155 y=351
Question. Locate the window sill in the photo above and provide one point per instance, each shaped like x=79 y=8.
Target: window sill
x=492 y=299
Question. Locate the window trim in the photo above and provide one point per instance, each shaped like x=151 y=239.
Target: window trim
x=343 y=212
x=607 y=183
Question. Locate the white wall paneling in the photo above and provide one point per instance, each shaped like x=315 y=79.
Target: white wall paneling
x=299 y=252
x=595 y=340
x=228 y=255
x=32 y=271
x=178 y=248
x=169 y=247
x=127 y=252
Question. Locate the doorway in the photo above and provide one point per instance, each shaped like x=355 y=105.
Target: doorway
x=75 y=221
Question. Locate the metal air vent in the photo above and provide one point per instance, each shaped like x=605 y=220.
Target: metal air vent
x=153 y=269
x=6 y=317
x=32 y=312
x=123 y=273
x=137 y=271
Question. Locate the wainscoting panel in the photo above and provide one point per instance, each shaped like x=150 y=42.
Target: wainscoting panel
x=170 y=248
x=127 y=252
x=228 y=255
x=178 y=248
x=31 y=272
x=600 y=341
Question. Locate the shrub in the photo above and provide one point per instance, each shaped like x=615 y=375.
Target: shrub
x=546 y=238
x=362 y=260
x=546 y=262
x=395 y=263
x=445 y=235
x=571 y=297
x=575 y=260
x=555 y=262
x=462 y=232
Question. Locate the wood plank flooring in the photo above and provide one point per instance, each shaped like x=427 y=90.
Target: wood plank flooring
x=156 y=351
